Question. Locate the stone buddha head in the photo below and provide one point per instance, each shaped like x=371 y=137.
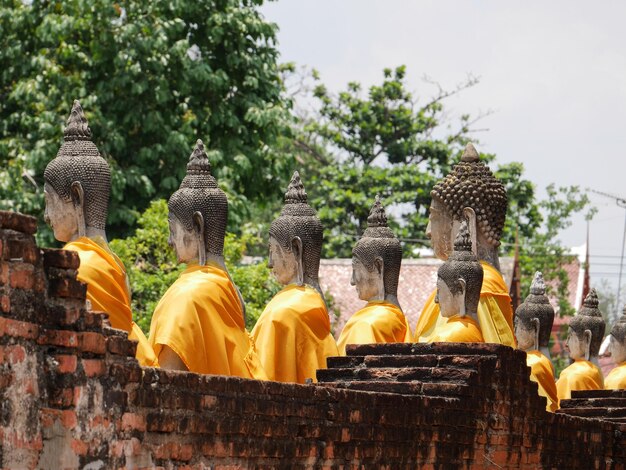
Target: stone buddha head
x=77 y=184
x=534 y=318
x=470 y=192
x=617 y=344
x=586 y=330
x=296 y=239
x=460 y=279
x=376 y=259
x=198 y=213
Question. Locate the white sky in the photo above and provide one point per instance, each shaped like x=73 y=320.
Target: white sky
x=553 y=72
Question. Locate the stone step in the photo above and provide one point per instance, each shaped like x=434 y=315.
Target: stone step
x=431 y=389
x=428 y=348
x=426 y=360
x=399 y=374
x=594 y=411
x=611 y=402
x=598 y=394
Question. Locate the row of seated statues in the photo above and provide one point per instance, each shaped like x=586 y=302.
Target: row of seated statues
x=198 y=325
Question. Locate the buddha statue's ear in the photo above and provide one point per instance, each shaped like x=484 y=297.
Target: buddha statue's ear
x=296 y=249
x=379 y=266
x=463 y=286
x=472 y=227
x=198 y=229
x=587 y=336
x=78 y=201
x=537 y=324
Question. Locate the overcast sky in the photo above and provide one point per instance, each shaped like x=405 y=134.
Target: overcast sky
x=553 y=72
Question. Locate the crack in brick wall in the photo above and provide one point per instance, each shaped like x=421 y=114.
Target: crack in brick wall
x=73 y=396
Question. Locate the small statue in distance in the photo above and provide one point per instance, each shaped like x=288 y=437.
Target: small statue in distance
x=459 y=281
x=376 y=261
x=586 y=331
x=533 y=325
x=76 y=190
x=616 y=380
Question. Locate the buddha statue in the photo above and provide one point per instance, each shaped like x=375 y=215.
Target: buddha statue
x=292 y=334
x=586 y=331
x=376 y=260
x=471 y=193
x=533 y=325
x=616 y=380
x=198 y=325
x=77 y=184
x=459 y=281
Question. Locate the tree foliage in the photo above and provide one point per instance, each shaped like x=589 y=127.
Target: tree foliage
x=153 y=76
x=152 y=268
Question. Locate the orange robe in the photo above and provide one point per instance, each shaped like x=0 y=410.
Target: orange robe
x=495 y=313
x=581 y=375
x=293 y=336
x=616 y=380
x=200 y=318
x=378 y=322
x=107 y=290
x=542 y=372
x=458 y=330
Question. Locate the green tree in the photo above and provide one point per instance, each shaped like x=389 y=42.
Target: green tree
x=152 y=268
x=153 y=76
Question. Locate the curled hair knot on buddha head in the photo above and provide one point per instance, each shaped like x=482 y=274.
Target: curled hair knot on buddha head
x=199 y=192
x=79 y=161
x=590 y=318
x=471 y=184
x=463 y=264
x=298 y=219
x=537 y=305
x=379 y=241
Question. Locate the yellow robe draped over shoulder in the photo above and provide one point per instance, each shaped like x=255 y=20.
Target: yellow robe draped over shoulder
x=495 y=313
x=542 y=372
x=616 y=380
x=581 y=375
x=200 y=318
x=107 y=290
x=293 y=336
x=378 y=322
x=458 y=330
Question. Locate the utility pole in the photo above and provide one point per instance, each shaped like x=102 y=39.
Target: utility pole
x=621 y=202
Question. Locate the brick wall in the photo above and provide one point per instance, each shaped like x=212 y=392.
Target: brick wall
x=72 y=396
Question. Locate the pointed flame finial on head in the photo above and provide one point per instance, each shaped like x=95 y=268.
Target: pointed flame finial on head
x=378 y=216
x=538 y=286
x=590 y=304
x=199 y=160
x=470 y=154
x=463 y=241
x=295 y=191
x=77 y=127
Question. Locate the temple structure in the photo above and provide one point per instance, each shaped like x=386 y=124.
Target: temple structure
x=72 y=395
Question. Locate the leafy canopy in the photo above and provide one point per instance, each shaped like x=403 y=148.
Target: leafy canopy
x=152 y=76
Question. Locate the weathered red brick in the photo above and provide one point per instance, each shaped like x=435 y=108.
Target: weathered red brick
x=94 y=367
x=18 y=222
x=133 y=421
x=92 y=342
x=67 y=363
x=21 y=276
x=63 y=338
x=15 y=353
x=4 y=273
x=65 y=259
x=5 y=303
x=20 y=329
